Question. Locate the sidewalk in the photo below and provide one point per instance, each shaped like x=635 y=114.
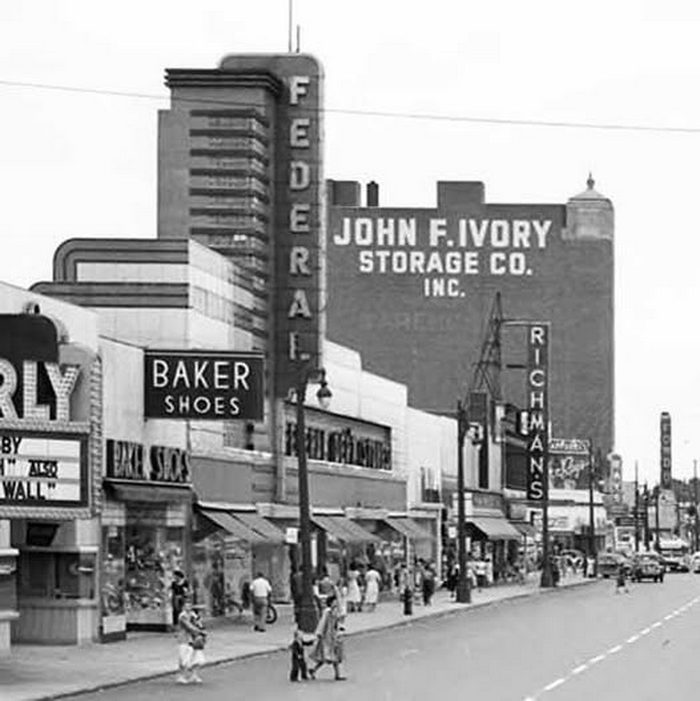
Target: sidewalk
x=39 y=672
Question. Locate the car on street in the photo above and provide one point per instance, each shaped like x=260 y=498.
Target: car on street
x=610 y=563
x=675 y=554
x=695 y=562
x=647 y=566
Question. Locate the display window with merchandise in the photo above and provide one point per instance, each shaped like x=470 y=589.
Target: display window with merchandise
x=221 y=566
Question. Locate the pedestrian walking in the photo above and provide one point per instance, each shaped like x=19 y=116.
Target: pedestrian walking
x=372 y=580
x=328 y=647
x=296 y=587
x=354 y=597
x=179 y=590
x=260 y=590
x=480 y=572
x=296 y=647
x=428 y=584
x=621 y=580
x=191 y=639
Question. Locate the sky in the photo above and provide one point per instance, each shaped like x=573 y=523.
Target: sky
x=82 y=164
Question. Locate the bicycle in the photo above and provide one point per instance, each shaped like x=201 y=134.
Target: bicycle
x=231 y=606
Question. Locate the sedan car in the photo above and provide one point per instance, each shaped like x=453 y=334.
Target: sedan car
x=648 y=566
x=610 y=563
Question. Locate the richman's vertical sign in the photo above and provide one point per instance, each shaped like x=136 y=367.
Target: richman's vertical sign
x=300 y=220
x=538 y=408
x=666 y=450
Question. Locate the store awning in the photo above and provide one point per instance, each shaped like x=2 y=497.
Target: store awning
x=260 y=525
x=132 y=490
x=495 y=528
x=344 y=529
x=223 y=519
x=408 y=528
x=525 y=529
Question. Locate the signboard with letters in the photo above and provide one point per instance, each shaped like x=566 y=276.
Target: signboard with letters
x=666 y=450
x=43 y=453
x=569 y=460
x=42 y=469
x=538 y=408
x=207 y=385
x=133 y=461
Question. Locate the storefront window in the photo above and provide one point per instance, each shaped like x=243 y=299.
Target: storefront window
x=152 y=552
x=220 y=566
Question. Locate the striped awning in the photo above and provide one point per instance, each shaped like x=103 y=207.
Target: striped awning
x=224 y=520
x=344 y=529
x=408 y=528
x=494 y=528
x=260 y=525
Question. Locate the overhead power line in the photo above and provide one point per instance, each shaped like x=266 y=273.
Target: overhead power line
x=500 y=121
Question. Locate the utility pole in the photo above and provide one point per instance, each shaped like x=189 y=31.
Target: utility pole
x=463 y=592
x=636 y=506
x=696 y=522
x=645 y=499
x=591 y=509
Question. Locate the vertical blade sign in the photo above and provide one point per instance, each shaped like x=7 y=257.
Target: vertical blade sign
x=538 y=409
x=666 y=476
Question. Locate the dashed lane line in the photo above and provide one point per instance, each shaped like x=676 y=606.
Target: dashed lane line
x=555 y=684
x=613 y=650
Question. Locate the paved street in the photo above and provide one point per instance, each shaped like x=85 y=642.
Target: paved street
x=582 y=643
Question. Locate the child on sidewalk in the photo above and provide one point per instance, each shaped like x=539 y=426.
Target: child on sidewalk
x=296 y=647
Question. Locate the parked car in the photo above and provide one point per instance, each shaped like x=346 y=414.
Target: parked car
x=695 y=563
x=648 y=566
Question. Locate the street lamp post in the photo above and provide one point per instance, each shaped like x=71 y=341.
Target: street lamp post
x=636 y=507
x=657 y=493
x=591 y=510
x=307 y=618
x=463 y=593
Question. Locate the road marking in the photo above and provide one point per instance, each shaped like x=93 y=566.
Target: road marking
x=614 y=650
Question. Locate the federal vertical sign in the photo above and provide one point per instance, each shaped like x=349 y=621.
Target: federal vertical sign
x=665 y=450
x=538 y=408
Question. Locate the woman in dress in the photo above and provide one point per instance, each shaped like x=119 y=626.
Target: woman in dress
x=328 y=646
x=354 y=598
x=372 y=580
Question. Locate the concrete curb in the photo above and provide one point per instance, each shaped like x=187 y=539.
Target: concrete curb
x=408 y=621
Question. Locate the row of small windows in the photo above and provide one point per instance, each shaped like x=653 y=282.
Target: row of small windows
x=217 y=307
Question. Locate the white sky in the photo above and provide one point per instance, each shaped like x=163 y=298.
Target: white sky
x=85 y=165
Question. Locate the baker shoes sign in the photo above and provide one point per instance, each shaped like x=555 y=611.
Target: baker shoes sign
x=203 y=385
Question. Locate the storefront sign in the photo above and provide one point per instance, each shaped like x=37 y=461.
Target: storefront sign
x=486 y=500
x=616 y=479
x=203 y=385
x=569 y=460
x=334 y=439
x=665 y=450
x=291 y=535
x=131 y=461
x=42 y=469
x=538 y=408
